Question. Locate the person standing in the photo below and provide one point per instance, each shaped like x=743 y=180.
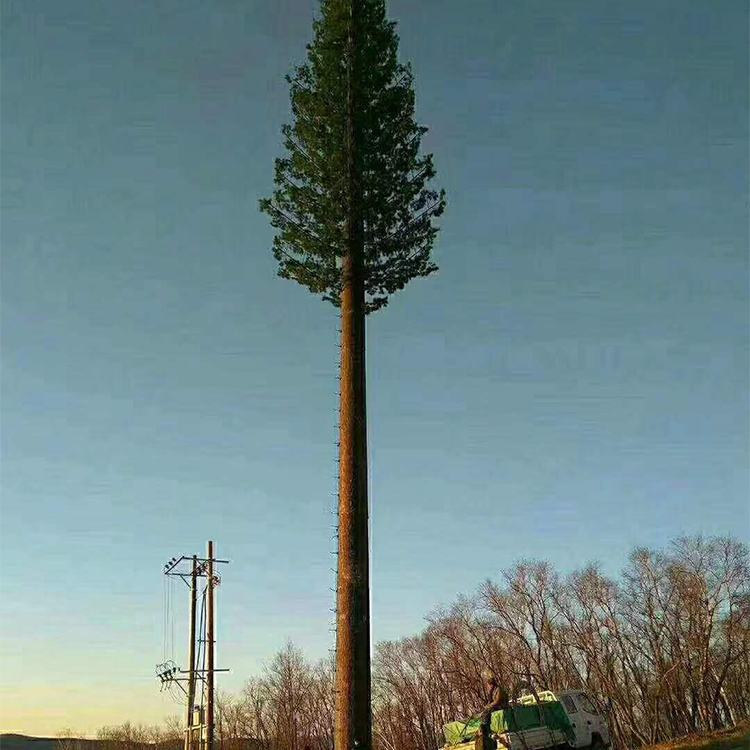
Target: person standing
x=498 y=699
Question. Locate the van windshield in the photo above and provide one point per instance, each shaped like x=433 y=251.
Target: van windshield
x=586 y=704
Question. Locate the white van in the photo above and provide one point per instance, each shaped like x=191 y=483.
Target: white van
x=590 y=729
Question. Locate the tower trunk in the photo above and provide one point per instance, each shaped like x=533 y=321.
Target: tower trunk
x=353 y=704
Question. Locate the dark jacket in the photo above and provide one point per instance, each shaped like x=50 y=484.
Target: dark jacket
x=498 y=700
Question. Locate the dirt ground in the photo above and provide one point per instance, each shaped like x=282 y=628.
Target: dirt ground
x=737 y=738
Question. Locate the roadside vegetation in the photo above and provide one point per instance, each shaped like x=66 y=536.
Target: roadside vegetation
x=664 y=652
x=732 y=738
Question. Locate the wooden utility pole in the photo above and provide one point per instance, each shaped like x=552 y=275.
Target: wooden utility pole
x=191 y=655
x=210 y=649
x=170 y=675
x=353 y=729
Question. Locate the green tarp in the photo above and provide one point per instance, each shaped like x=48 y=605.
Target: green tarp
x=512 y=720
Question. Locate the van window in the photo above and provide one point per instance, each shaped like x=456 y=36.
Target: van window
x=570 y=705
x=586 y=704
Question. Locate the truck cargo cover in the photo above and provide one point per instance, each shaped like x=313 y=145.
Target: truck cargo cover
x=547 y=714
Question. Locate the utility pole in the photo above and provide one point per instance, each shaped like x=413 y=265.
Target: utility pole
x=189 y=568
x=210 y=640
x=191 y=656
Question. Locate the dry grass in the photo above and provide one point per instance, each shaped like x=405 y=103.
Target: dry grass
x=736 y=738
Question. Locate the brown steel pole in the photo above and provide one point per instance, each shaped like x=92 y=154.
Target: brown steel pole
x=353 y=726
x=191 y=656
x=210 y=652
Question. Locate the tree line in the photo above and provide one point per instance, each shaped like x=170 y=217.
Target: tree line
x=664 y=651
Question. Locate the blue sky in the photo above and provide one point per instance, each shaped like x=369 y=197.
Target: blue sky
x=574 y=382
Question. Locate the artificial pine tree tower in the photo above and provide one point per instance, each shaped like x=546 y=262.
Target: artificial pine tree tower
x=355 y=224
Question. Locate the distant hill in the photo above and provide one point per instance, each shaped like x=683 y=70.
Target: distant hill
x=24 y=742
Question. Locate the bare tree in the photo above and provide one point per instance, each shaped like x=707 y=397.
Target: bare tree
x=662 y=652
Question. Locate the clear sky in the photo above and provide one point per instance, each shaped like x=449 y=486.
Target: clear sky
x=574 y=382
